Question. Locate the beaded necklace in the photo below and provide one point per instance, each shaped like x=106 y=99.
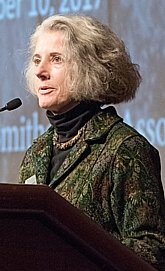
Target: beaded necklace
x=69 y=143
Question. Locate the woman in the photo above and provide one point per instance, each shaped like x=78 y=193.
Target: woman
x=89 y=155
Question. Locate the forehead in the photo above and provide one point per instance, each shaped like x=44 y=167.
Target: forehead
x=50 y=41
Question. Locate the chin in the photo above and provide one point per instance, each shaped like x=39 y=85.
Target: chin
x=47 y=107
x=44 y=104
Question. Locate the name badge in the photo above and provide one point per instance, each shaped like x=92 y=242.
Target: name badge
x=31 y=180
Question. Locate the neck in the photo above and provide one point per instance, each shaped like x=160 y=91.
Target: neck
x=65 y=108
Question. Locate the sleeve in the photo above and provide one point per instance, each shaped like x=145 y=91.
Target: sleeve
x=26 y=168
x=138 y=201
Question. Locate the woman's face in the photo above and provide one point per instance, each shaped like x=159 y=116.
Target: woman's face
x=50 y=67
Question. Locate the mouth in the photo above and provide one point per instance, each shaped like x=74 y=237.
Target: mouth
x=45 y=90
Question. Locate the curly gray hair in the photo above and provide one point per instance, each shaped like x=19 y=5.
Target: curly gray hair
x=101 y=68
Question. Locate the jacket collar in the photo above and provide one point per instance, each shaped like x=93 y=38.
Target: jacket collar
x=101 y=124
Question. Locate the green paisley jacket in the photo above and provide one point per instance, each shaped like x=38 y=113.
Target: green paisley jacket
x=113 y=175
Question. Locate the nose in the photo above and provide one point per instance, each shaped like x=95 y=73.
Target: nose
x=42 y=72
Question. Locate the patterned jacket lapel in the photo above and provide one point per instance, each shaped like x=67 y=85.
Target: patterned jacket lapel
x=42 y=150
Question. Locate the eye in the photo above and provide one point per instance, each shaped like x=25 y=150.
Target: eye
x=56 y=59
x=36 y=61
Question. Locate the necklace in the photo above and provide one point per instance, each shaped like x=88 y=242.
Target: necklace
x=69 y=143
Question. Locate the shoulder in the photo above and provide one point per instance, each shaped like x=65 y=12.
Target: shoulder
x=41 y=142
x=130 y=143
x=124 y=142
x=136 y=156
x=46 y=135
x=133 y=140
x=120 y=133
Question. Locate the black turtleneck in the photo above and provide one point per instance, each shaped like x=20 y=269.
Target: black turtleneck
x=67 y=125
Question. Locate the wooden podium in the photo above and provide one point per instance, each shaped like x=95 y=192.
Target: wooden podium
x=40 y=231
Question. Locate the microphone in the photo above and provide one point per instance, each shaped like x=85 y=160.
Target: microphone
x=11 y=105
